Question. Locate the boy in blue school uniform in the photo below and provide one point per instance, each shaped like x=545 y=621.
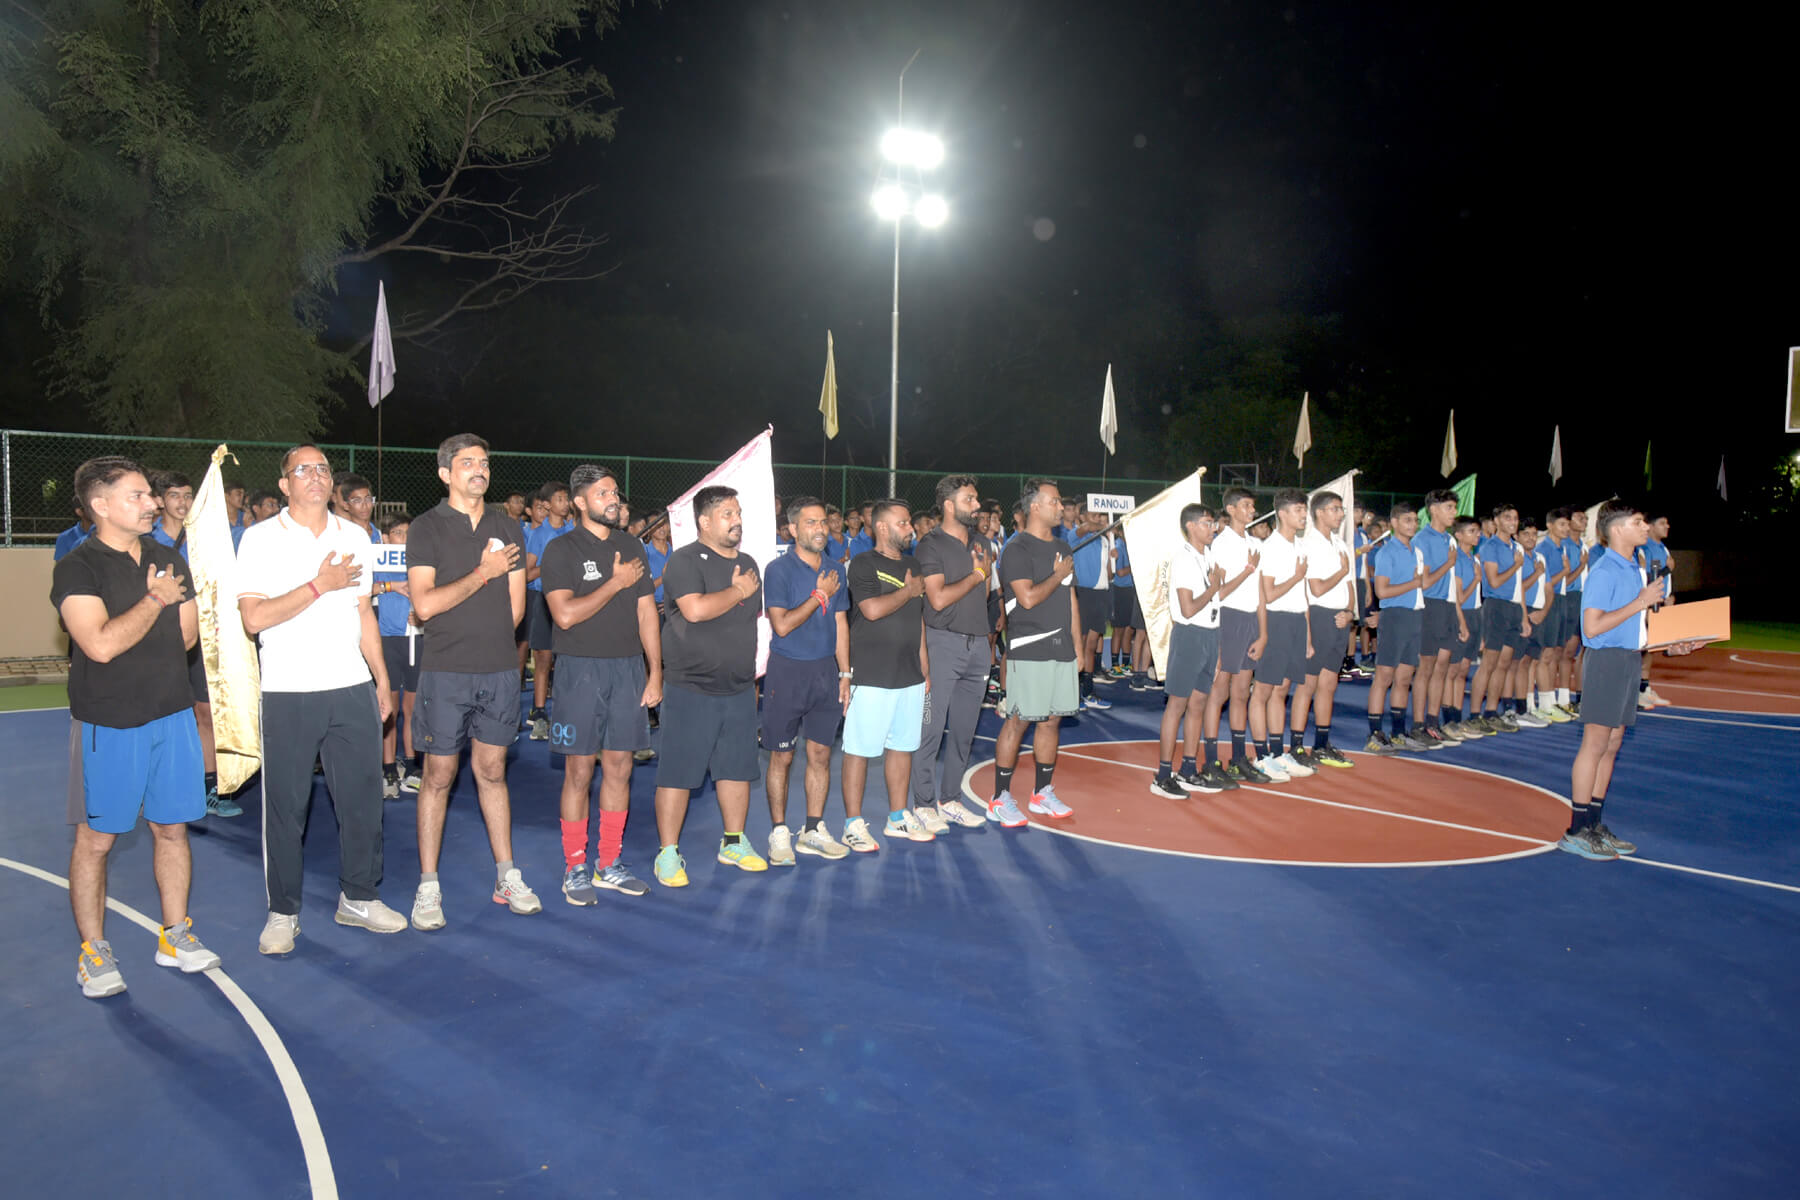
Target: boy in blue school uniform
x=1657 y=565
x=1575 y=564
x=1466 y=592
x=1614 y=631
x=1398 y=579
x=400 y=646
x=1438 y=640
x=1503 y=626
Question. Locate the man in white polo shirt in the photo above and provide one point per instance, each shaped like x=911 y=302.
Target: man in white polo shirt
x=1287 y=639
x=1329 y=610
x=303 y=590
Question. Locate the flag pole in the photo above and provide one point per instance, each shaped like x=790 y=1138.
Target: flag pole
x=378 y=492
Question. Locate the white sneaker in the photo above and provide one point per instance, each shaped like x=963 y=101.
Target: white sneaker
x=512 y=892
x=428 y=907
x=858 y=837
x=820 y=842
x=1644 y=701
x=1655 y=699
x=932 y=820
x=1294 y=768
x=278 y=934
x=909 y=827
x=781 y=847
x=1272 y=768
x=372 y=915
x=1530 y=720
x=958 y=813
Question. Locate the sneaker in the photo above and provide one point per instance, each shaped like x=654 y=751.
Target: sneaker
x=858 y=837
x=278 y=934
x=1379 y=743
x=618 y=878
x=1242 y=771
x=221 y=806
x=1575 y=709
x=670 y=868
x=1197 y=781
x=1005 y=810
x=413 y=781
x=1612 y=841
x=781 y=847
x=1329 y=755
x=1214 y=773
x=390 y=783
x=1164 y=785
x=1140 y=683
x=372 y=915
x=1095 y=703
x=1657 y=700
x=931 y=818
x=1507 y=723
x=958 y=813
x=1644 y=702
x=1118 y=672
x=428 y=907
x=178 y=947
x=512 y=892
x=1586 y=845
x=908 y=827
x=578 y=886
x=1434 y=738
x=1412 y=741
x=741 y=854
x=97 y=971
x=1551 y=713
x=819 y=841
x=1530 y=720
x=1304 y=758
x=643 y=756
x=1269 y=766
x=1047 y=804
x=540 y=726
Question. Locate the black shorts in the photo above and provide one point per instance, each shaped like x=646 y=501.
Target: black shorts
x=1534 y=645
x=1609 y=686
x=1284 y=654
x=197 y=676
x=1438 y=630
x=538 y=627
x=1193 y=660
x=1362 y=601
x=800 y=698
x=1330 y=643
x=402 y=655
x=1094 y=606
x=1236 y=631
x=598 y=705
x=1571 y=619
x=454 y=707
x=701 y=733
x=1469 y=651
x=1500 y=620
x=1126 y=613
x=993 y=612
x=1399 y=642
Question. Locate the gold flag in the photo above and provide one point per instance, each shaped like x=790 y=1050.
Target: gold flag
x=828 y=394
x=233 y=677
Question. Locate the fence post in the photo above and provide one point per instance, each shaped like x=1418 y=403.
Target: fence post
x=6 y=457
x=352 y=465
x=844 y=489
x=628 y=490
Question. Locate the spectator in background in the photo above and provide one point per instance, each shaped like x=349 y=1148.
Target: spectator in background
x=263 y=505
x=837 y=542
x=515 y=506
x=73 y=536
x=235 y=512
x=400 y=647
x=864 y=538
x=357 y=501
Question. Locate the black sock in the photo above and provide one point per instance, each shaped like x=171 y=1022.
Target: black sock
x=1578 y=818
x=1003 y=777
x=212 y=780
x=813 y=823
x=1187 y=766
x=1087 y=683
x=1212 y=749
x=1643 y=686
x=1237 y=743
x=1044 y=772
x=418 y=762
x=1272 y=745
x=1321 y=736
x=1574 y=696
x=1397 y=718
x=1446 y=715
x=1374 y=724
x=1164 y=768
x=1593 y=810
x=731 y=839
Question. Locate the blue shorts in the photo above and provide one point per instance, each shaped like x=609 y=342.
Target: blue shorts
x=1193 y=660
x=598 y=705
x=800 y=698
x=154 y=769
x=882 y=719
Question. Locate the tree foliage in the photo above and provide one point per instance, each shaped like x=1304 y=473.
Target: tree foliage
x=181 y=185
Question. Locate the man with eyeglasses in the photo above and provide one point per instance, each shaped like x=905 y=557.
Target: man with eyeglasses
x=466 y=572
x=304 y=591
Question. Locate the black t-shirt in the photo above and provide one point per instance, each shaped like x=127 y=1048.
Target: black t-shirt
x=1038 y=634
x=580 y=562
x=717 y=656
x=939 y=553
x=148 y=681
x=884 y=653
x=477 y=635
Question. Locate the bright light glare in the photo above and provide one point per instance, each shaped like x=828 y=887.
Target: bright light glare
x=931 y=211
x=891 y=202
x=909 y=148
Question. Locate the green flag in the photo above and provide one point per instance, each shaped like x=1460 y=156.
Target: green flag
x=1465 y=497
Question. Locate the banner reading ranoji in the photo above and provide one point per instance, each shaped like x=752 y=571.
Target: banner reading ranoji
x=1153 y=534
x=233 y=676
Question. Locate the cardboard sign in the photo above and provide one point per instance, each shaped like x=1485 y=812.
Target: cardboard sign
x=1107 y=502
x=1695 y=621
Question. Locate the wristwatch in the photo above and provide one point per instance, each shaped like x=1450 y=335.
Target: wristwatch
x=846 y=674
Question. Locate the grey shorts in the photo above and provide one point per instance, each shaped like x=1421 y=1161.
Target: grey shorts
x=1039 y=691
x=1330 y=643
x=597 y=705
x=1571 y=618
x=703 y=733
x=1095 y=606
x=1500 y=621
x=1438 y=632
x=454 y=707
x=1469 y=651
x=1399 y=642
x=1609 y=686
x=1284 y=654
x=539 y=629
x=1193 y=660
x=1236 y=631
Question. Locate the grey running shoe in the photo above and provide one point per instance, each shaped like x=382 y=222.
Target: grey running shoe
x=1612 y=841
x=781 y=847
x=178 y=947
x=390 y=783
x=1529 y=720
x=511 y=891
x=97 y=971
x=1412 y=741
x=577 y=888
x=1379 y=743
x=618 y=878
x=372 y=915
x=820 y=842
x=413 y=781
x=428 y=907
x=278 y=933
x=540 y=728
x=1508 y=723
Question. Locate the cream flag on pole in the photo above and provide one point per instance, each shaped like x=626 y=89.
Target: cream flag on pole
x=233 y=678
x=1303 y=435
x=752 y=474
x=1556 y=456
x=1109 y=415
x=1344 y=486
x=828 y=394
x=1153 y=531
x=381 y=351
x=1722 y=477
x=1448 y=462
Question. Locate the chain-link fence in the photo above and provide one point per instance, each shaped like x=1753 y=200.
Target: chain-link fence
x=39 y=472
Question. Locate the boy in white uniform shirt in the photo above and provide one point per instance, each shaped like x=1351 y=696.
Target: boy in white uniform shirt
x=1287 y=640
x=1193 y=660
x=1329 y=614
x=1240 y=633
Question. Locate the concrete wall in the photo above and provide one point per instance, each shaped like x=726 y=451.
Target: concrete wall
x=28 y=625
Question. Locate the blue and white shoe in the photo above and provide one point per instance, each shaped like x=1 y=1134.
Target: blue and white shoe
x=1587 y=846
x=577 y=886
x=1095 y=703
x=1005 y=810
x=1046 y=804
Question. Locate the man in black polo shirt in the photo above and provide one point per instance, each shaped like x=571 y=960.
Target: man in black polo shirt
x=128 y=605
x=709 y=697
x=604 y=627
x=954 y=564
x=467 y=578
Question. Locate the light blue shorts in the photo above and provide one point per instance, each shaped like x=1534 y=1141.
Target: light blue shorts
x=883 y=719
x=154 y=769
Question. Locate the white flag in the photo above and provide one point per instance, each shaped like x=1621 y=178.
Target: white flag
x=1448 y=462
x=381 y=351
x=1153 y=532
x=1303 y=435
x=751 y=474
x=1344 y=486
x=1556 y=455
x=1109 y=415
x=233 y=676
x=1722 y=477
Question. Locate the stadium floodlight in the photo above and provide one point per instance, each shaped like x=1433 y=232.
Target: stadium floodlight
x=931 y=211
x=891 y=202
x=910 y=148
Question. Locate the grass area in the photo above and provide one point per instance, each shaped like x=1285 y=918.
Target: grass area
x=1763 y=635
x=36 y=695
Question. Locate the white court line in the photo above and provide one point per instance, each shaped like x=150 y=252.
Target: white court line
x=1774 y=666
x=1695 y=687
x=1651 y=862
x=11 y=712
x=306 y=1121
x=1717 y=721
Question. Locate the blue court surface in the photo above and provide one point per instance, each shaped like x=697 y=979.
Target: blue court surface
x=997 y=1013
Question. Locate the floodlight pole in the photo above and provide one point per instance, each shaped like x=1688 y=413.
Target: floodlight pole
x=894 y=365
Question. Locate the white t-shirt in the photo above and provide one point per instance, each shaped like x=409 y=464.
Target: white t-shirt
x=1232 y=551
x=1187 y=572
x=1280 y=559
x=320 y=648
x=1323 y=558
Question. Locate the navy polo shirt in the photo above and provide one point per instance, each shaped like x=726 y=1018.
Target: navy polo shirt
x=788 y=583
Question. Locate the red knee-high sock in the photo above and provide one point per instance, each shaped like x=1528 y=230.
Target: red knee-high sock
x=612 y=834
x=574 y=835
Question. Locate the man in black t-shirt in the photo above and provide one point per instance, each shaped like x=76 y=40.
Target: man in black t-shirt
x=466 y=573
x=604 y=627
x=714 y=597
x=128 y=605
x=954 y=565
x=888 y=672
x=1036 y=573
